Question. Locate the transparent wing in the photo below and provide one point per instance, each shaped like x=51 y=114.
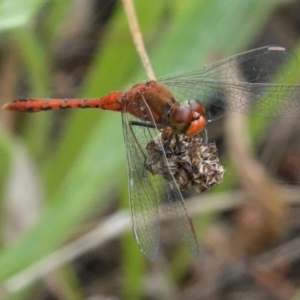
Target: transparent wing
x=147 y=191
x=144 y=189
x=173 y=207
x=235 y=83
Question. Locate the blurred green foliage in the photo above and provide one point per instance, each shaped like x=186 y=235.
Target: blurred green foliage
x=80 y=172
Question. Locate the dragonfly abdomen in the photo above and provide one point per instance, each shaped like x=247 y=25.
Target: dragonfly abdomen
x=36 y=105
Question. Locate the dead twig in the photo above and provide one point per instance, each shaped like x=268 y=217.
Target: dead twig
x=137 y=37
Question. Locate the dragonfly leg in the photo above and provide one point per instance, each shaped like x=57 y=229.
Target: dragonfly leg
x=136 y=123
x=167 y=144
x=142 y=124
x=178 y=143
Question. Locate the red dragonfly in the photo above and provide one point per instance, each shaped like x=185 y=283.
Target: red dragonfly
x=153 y=107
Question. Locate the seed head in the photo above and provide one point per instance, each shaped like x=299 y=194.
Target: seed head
x=189 y=161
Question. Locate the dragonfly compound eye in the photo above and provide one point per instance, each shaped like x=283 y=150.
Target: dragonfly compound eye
x=180 y=119
x=196 y=106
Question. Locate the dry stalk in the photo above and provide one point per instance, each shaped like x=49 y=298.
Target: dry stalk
x=137 y=37
x=264 y=216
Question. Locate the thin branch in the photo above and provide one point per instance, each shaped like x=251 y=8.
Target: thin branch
x=137 y=37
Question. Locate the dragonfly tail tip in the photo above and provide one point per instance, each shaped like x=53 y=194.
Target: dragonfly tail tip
x=6 y=106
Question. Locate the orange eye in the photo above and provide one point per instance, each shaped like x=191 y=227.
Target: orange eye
x=182 y=114
x=196 y=106
x=181 y=118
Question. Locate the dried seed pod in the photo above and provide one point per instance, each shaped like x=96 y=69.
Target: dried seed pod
x=188 y=161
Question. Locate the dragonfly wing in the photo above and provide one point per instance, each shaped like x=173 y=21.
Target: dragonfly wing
x=174 y=208
x=271 y=100
x=257 y=66
x=235 y=83
x=147 y=191
x=274 y=100
x=144 y=188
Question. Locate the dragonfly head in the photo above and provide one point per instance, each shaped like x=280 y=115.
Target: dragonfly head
x=188 y=118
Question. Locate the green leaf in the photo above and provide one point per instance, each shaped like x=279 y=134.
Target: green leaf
x=16 y=13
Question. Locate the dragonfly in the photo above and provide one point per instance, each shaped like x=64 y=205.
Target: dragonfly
x=179 y=106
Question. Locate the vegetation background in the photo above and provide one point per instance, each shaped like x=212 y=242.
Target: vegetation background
x=63 y=174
